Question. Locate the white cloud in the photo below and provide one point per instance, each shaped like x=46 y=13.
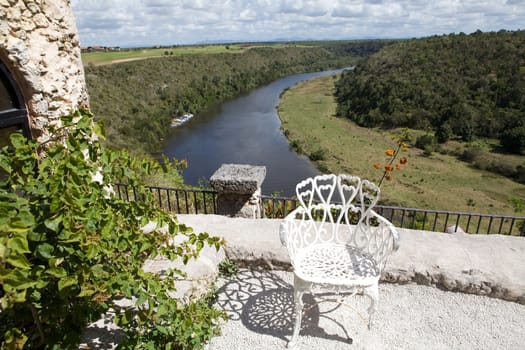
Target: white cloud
x=350 y=9
x=150 y=22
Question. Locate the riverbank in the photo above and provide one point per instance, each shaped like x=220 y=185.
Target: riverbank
x=244 y=130
x=307 y=112
x=137 y=99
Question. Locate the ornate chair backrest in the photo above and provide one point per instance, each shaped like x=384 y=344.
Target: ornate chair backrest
x=339 y=209
x=315 y=196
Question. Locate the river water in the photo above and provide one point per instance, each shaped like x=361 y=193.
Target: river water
x=244 y=130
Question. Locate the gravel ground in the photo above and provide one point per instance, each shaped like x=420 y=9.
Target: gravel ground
x=260 y=305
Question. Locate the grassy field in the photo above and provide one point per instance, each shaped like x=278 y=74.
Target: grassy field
x=435 y=182
x=109 y=57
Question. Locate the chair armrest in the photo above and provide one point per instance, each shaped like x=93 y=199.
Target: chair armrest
x=287 y=221
x=391 y=227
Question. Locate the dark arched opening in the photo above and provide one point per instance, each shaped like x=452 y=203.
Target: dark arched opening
x=13 y=114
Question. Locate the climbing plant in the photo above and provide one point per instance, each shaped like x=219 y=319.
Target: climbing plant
x=69 y=247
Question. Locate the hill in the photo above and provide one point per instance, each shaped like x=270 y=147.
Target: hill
x=455 y=86
x=137 y=99
x=438 y=181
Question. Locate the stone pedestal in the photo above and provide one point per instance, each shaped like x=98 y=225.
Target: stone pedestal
x=239 y=188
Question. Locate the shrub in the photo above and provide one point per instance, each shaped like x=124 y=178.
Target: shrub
x=513 y=140
x=317 y=155
x=520 y=174
x=426 y=142
x=444 y=133
x=471 y=153
x=228 y=268
x=69 y=248
x=296 y=146
x=501 y=166
x=323 y=168
x=428 y=150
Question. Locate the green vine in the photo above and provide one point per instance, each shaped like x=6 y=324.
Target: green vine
x=69 y=247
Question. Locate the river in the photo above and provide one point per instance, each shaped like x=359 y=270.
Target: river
x=244 y=130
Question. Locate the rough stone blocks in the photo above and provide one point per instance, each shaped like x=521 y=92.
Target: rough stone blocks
x=239 y=188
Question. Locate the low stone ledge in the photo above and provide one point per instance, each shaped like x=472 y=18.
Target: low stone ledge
x=201 y=273
x=490 y=265
x=264 y=260
x=479 y=284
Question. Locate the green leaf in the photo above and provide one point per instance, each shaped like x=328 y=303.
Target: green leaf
x=14 y=339
x=69 y=237
x=162 y=310
x=55 y=262
x=18 y=245
x=92 y=251
x=141 y=299
x=53 y=223
x=19 y=261
x=163 y=330
x=86 y=292
x=67 y=282
x=45 y=250
x=122 y=244
x=100 y=130
x=200 y=245
x=58 y=272
x=126 y=317
x=36 y=295
x=17 y=226
x=36 y=236
x=17 y=140
x=145 y=246
x=18 y=279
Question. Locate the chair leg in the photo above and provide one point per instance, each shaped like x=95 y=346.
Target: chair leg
x=298 y=300
x=373 y=293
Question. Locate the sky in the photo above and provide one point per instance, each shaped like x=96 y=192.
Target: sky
x=138 y=23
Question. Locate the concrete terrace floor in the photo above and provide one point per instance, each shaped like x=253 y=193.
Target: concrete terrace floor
x=439 y=298
x=448 y=291
x=410 y=316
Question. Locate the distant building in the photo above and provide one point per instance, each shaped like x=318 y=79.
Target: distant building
x=100 y=48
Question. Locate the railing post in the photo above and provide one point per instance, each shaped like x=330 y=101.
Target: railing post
x=239 y=190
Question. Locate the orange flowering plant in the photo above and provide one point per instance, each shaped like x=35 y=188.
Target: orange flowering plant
x=392 y=155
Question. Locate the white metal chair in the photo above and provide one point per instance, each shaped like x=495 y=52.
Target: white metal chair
x=337 y=243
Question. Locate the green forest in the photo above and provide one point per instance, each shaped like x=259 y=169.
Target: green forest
x=456 y=86
x=137 y=100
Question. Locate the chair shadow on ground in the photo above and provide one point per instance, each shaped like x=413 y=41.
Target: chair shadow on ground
x=263 y=302
x=102 y=334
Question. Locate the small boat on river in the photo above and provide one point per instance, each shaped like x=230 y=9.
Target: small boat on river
x=178 y=121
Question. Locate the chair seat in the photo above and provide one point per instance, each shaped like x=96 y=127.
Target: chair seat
x=336 y=264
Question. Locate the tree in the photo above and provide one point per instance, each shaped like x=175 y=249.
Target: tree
x=443 y=132
x=513 y=140
x=475 y=82
x=69 y=248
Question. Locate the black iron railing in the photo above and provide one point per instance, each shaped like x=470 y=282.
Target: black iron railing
x=420 y=219
x=441 y=221
x=176 y=200
x=196 y=201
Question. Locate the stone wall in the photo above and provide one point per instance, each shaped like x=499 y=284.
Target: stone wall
x=40 y=46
